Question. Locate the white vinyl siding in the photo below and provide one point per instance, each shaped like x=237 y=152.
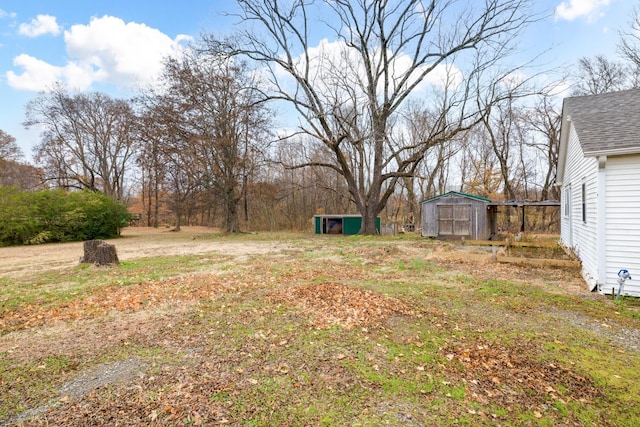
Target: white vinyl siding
x=623 y=222
x=581 y=236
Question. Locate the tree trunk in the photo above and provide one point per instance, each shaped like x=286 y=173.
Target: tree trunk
x=178 y=220
x=232 y=219
x=369 y=222
x=99 y=252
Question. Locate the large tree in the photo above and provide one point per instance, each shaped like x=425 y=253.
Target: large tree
x=348 y=92
x=88 y=139
x=545 y=120
x=211 y=107
x=9 y=150
x=13 y=171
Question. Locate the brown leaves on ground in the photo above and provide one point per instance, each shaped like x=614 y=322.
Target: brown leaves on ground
x=123 y=299
x=173 y=391
x=332 y=303
x=177 y=397
x=503 y=375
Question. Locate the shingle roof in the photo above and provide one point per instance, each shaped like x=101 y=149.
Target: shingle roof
x=606 y=123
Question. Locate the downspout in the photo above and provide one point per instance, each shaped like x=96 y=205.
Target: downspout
x=601 y=227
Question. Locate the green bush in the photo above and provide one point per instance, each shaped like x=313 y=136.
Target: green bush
x=57 y=216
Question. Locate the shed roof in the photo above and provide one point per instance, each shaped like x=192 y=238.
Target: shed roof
x=607 y=123
x=456 y=193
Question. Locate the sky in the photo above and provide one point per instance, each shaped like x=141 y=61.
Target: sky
x=114 y=46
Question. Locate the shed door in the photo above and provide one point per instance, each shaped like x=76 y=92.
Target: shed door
x=454 y=220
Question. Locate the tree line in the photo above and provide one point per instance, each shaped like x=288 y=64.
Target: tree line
x=266 y=128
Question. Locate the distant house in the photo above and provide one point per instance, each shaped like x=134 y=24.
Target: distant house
x=599 y=175
x=455 y=215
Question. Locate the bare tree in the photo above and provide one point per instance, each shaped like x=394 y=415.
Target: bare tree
x=479 y=167
x=545 y=120
x=431 y=175
x=152 y=162
x=304 y=192
x=182 y=181
x=211 y=107
x=629 y=47
x=503 y=133
x=349 y=92
x=87 y=141
x=600 y=75
x=9 y=150
x=167 y=156
x=13 y=171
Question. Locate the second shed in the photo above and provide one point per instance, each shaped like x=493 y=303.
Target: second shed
x=455 y=215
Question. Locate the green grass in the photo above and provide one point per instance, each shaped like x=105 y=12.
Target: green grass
x=61 y=286
x=239 y=355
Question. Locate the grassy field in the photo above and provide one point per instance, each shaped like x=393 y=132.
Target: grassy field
x=303 y=330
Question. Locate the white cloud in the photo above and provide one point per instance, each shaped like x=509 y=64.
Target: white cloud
x=124 y=53
x=107 y=50
x=41 y=25
x=573 y=9
x=37 y=75
x=333 y=65
x=5 y=14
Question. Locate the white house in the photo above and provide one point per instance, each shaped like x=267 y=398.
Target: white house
x=599 y=175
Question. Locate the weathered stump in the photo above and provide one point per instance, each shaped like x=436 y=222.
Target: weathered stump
x=99 y=252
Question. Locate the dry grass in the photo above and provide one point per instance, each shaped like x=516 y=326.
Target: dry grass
x=309 y=330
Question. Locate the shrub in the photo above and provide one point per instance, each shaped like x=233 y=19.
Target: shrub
x=57 y=216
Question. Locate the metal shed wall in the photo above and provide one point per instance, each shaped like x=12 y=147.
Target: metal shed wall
x=350 y=224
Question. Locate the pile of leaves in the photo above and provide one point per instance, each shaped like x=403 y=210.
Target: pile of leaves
x=495 y=373
x=332 y=303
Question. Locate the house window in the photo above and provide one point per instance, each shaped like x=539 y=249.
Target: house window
x=584 y=202
x=567 y=202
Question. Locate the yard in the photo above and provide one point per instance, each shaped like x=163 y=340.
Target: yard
x=197 y=328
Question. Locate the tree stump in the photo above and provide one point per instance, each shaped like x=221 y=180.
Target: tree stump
x=99 y=252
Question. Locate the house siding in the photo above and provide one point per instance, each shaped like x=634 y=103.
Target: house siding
x=581 y=236
x=623 y=223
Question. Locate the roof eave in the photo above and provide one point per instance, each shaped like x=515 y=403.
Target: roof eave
x=565 y=129
x=613 y=152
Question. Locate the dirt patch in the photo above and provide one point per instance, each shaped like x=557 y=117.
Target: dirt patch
x=88 y=338
x=87 y=382
x=134 y=243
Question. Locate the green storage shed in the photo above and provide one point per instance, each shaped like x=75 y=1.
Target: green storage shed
x=340 y=224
